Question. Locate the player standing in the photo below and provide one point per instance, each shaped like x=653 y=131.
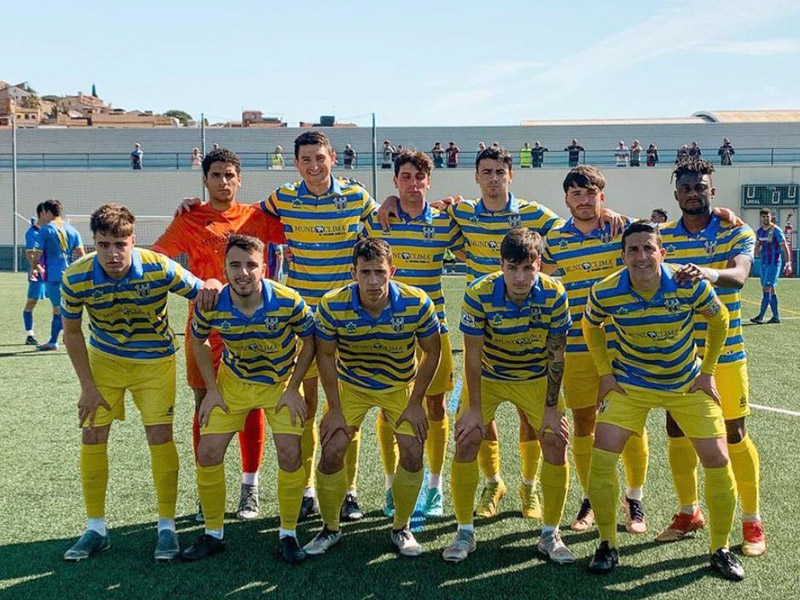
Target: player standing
x=35 y=274
x=771 y=244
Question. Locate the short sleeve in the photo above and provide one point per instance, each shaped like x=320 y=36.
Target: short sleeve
x=174 y=241
x=594 y=313
x=71 y=302
x=301 y=321
x=744 y=242
x=180 y=281
x=560 y=319
x=270 y=205
x=428 y=321
x=473 y=316
x=324 y=322
x=201 y=324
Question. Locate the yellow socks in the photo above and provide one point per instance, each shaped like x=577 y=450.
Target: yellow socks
x=555 y=482
x=94 y=478
x=489 y=460
x=405 y=490
x=529 y=453
x=635 y=457
x=683 y=463
x=331 y=490
x=582 y=455
x=721 y=500
x=164 y=464
x=308 y=449
x=351 y=460
x=603 y=493
x=211 y=489
x=436 y=444
x=746 y=470
x=290 y=496
x=387 y=444
x=463 y=483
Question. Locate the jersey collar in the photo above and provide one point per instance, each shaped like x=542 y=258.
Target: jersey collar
x=334 y=189
x=600 y=232
x=668 y=284
x=268 y=301
x=396 y=303
x=136 y=271
x=427 y=214
x=499 y=293
x=709 y=232
x=511 y=206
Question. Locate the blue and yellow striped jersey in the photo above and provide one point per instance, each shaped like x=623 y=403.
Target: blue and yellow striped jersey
x=484 y=230
x=515 y=337
x=321 y=232
x=713 y=247
x=418 y=247
x=260 y=348
x=581 y=260
x=376 y=354
x=128 y=316
x=654 y=342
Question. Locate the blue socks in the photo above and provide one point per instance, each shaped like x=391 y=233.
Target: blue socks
x=773 y=304
x=27 y=319
x=55 y=329
x=765 y=302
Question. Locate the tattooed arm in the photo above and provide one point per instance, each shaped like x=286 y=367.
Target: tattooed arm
x=553 y=420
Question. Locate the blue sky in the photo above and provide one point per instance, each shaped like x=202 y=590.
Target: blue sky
x=442 y=63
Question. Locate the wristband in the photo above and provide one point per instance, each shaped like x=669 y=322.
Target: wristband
x=713 y=275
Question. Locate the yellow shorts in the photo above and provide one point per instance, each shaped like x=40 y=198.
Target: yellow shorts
x=151 y=383
x=527 y=396
x=443 y=381
x=733 y=387
x=696 y=414
x=581 y=380
x=356 y=402
x=242 y=397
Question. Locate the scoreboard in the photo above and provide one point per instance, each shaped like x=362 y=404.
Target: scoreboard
x=770 y=195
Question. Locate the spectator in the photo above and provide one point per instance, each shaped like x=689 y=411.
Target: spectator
x=621 y=154
x=683 y=152
x=636 y=153
x=438 y=155
x=659 y=215
x=197 y=159
x=449 y=261
x=481 y=148
x=537 y=154
x=137 y=158
x=397 y=152
x=525 y=156
x=695 y=151
x=725 y=152
x=452 y=155
x=652 y=155
x=277 y=159
x=574 y=150
x=350 y=157
x=388 y=155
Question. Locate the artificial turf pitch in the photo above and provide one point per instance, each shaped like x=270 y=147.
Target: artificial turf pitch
x=40 y=499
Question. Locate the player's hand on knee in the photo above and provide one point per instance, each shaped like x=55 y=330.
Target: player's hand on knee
x=608 y=383
x=387 y=209
x=295 y=404
x=88 y=404
x=207 y=297
x=332 y=422
x=187 y=204
x=471 y=420
x=212 y=399
x=556 y=422
x=415 y=415
x=705 y=383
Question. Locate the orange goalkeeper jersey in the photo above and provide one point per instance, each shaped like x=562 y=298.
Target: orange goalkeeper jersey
x=202 y=234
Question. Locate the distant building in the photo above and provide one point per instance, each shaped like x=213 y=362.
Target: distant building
x=256 y=118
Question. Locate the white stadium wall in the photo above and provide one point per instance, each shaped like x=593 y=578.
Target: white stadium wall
x=631 y=191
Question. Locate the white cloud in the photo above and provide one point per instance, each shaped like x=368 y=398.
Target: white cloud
x=754 y=48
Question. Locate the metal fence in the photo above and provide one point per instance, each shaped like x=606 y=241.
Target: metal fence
x=557 y=159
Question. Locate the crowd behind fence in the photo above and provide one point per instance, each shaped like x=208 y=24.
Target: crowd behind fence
x=364 y=159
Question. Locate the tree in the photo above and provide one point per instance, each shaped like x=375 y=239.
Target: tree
x=182 y=116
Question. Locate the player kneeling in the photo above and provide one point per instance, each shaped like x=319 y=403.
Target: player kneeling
x=515 y=324
x=375 y=325
x=259 y=322
x=131 y=347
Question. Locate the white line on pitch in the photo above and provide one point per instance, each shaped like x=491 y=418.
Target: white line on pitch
x=783 y=411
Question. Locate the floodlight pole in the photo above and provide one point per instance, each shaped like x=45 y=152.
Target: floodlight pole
x=374 y=159
x=14 y=188
x=203 y=144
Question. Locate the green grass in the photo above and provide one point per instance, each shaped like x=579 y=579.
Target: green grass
x=40 y=499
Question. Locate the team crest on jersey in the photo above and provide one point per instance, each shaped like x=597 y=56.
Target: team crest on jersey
x=225 y=326
x=497 y=319
x=271 y=323
x=536 y=313
x=514 y=220
x=710 y=246
x=672 y=304
x=473 y=219
x=563 y=244
x=428 y=232
x=622 y=310
x=142 y=289
x=467 y=319
x=398 y=323
x=605 y=237
x=670 y=249
x=350 y=327
x=97 y=294
x=340 y=202
x=297 y=202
